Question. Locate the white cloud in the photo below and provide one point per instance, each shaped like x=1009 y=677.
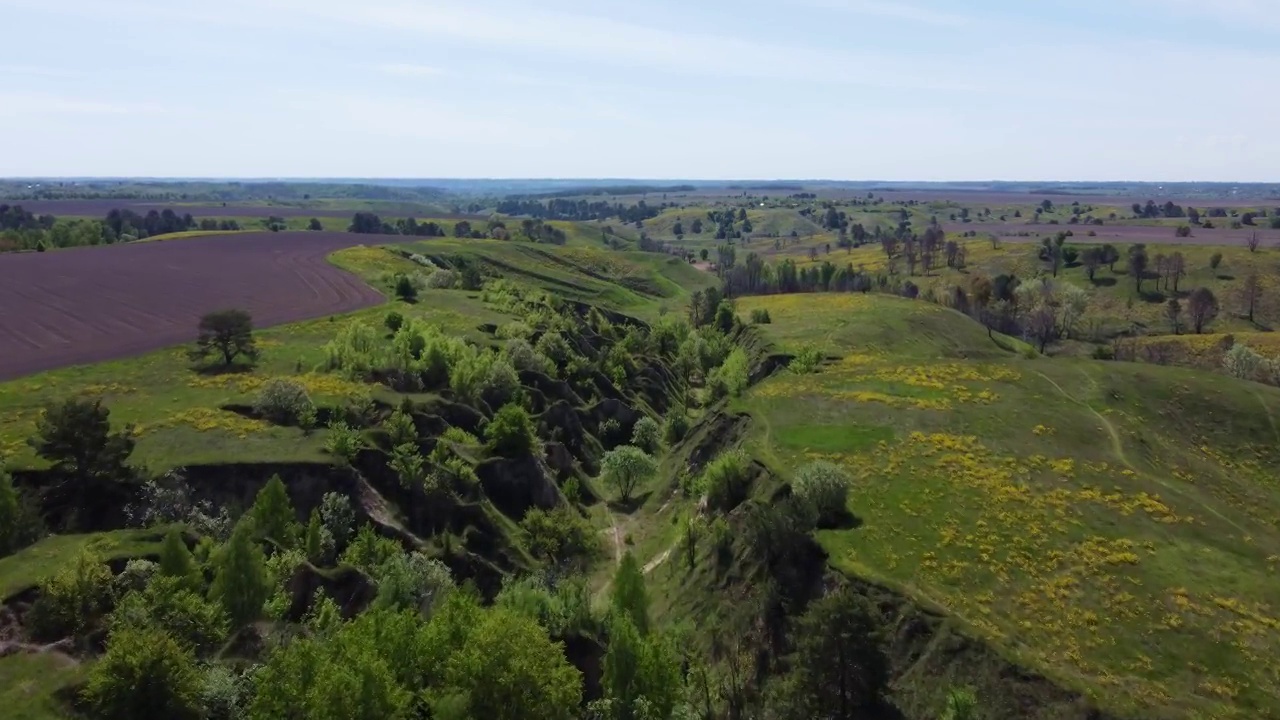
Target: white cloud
x=1243 y=14
x=410 y=70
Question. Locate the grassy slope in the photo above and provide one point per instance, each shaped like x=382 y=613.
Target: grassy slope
x=1110 y=524
x=28 y=568
x=29 y=683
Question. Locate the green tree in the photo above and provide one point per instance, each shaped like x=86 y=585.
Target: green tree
x=167 y=604
x=405 y=289
x=315 y=225
x=176 y=561
x=641 y=674
x=627 y=468
x=272 y=514
x=19 y=523
x=630 y=598
x=227 y=333
x=511 y=433
x=75 y=435
x=646 y=434
x=508 y=669
x=241 y=583
x=314 y=538
x=400 y=428
x=725 y=317
x=73 y=601
x=962 y=704
x=145 y=673
x=1173 y=311
x=1215 y=261
x=840 y=668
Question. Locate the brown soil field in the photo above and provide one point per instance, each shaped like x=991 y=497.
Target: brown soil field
x=86 y=305
x=99 y=208
x=1151 y=234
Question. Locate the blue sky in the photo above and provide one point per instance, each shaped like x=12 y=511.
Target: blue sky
x=841 y=89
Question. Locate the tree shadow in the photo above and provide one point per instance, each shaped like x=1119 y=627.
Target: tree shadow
x=1152 y=296
x=1103 y=282
x=844 y=521
x=216 y=369
x=630 y=506
x=1226 y=277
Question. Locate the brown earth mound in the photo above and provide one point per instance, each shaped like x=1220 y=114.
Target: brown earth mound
x=87 y=305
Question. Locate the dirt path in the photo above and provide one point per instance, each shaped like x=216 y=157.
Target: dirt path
x=1118 y=447
x=654 y=563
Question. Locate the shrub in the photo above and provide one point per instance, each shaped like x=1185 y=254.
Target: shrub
x=406 y=290
x=145 y=673
x=136 y=575
x=807 y=361
x=222 y=693
x=283 y=401
x=1215 y=261
x=559 y=535
x=460 y=436
x=1242 y=362
x=411 y=581
x=824 y=487
x=400 y=428
x=344 y=442
x=393 y=321
x=727 y=480
x=73 y=601
x=760 y=316
x=168 y=605
x=511 y=433
x=676 y=426
x=646 y=434
x=338 y=517
x=524 y=357
x=734 y=372
x=443 y=280
x=20 y=522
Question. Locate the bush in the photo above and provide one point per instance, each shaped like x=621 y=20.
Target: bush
x=1242 y=362
x=370 y=551
x=807 y=361
x=511 y=433
x=168 y=605
x=73 y=601
x=733 y=374
x=344 y=442
x=676 y=426
x=1215 y=260
x=393 y=321
x=558 y=535
x=400 y=429
x=406 y=290
x=413 y=581
x=760 y=316
x=646 y=434
x=727 y=480
x=824 y=487
x=145 y=673
x=222 y=693
x=338 y=517
x=283 y=401
x=20 y=523
x=524 y=357
x=443 y=280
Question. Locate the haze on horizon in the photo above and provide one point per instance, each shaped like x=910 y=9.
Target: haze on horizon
x=1160 y=90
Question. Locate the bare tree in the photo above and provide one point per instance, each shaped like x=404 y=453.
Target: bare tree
x=1251 y=293
x=1252 y=242
x=911 y=252
x=1173 y=311
x=1202 y=308
x=890 y=245
x=1161 y=264
x=1177 y=269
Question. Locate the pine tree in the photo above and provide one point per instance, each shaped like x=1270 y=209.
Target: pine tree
x=273 y=515
x=176 y=561
x=629 y=595
x=240 y=582
x=314 y=543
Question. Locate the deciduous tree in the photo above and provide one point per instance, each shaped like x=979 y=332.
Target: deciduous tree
x=228 y=334
x=627 y=468
x=1202 y=308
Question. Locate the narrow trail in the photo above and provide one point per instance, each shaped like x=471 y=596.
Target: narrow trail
x=654 y=563
x=1118 y=447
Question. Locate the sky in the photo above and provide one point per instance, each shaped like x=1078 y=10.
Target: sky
x=1159 y=90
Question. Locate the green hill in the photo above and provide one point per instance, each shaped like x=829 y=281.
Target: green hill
x=1111 y=525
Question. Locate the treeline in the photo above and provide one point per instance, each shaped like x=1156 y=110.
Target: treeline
x=560 y=209
x=21 y=230
x=368 y=223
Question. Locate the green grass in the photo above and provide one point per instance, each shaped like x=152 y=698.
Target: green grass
x=29 y=567
x=1111 y=525
x=29 y=684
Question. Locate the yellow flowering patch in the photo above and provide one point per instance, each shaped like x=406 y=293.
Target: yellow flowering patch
x=205 y=420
